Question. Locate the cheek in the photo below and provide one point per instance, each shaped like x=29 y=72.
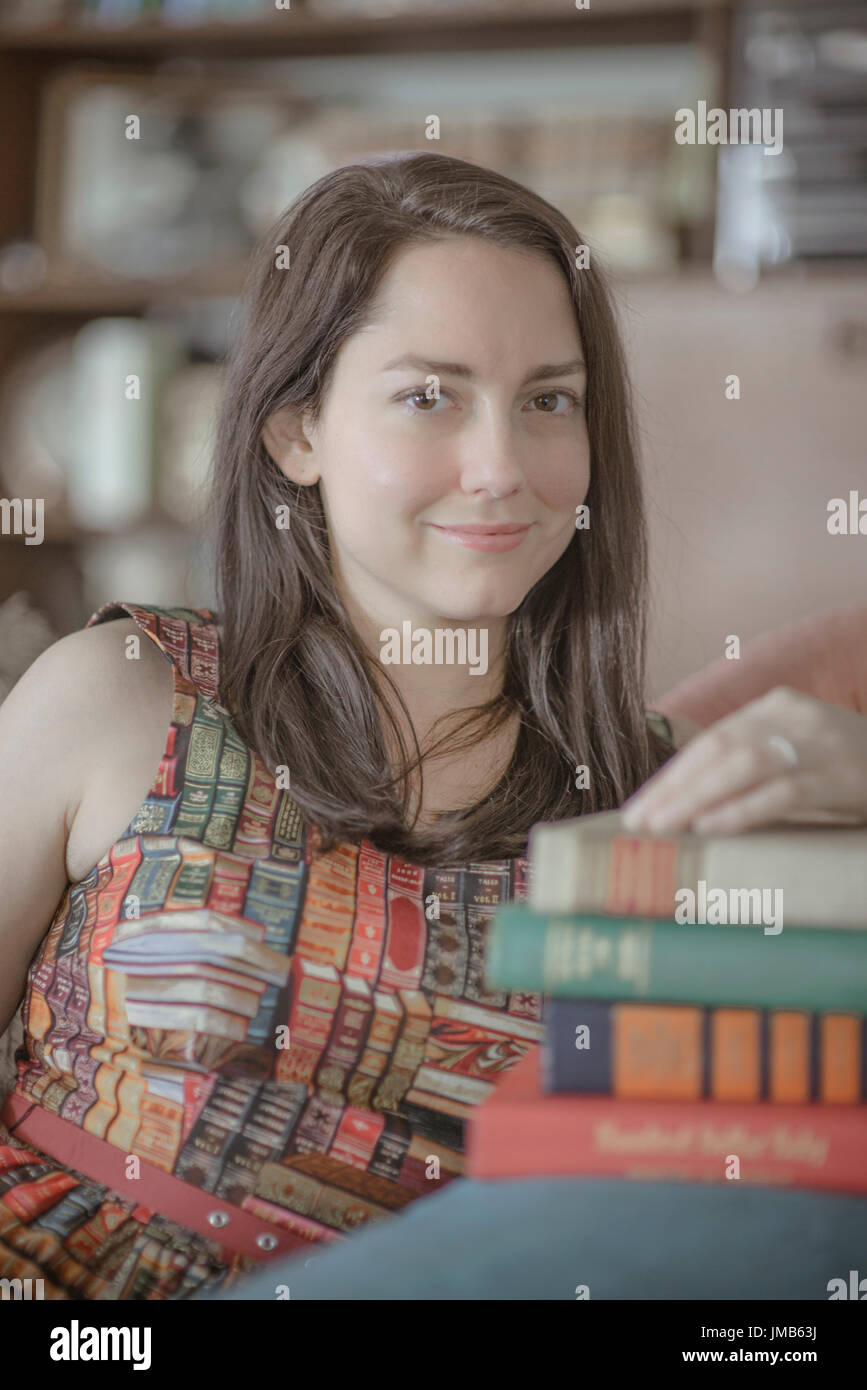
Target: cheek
x=561 y=483
x=404 y=472
x=373 y=477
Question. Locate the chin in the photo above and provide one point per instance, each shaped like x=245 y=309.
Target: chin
x=475 y=609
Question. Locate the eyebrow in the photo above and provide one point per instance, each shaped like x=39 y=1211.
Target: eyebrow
x=547 y=369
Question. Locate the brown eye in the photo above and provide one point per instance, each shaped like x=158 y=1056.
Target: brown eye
x=549 y=403
x=424 y=399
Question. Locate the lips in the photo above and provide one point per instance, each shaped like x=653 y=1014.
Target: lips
x=488 y=536
x=496 y=528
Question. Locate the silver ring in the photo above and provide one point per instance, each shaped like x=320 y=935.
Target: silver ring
x=786 y=747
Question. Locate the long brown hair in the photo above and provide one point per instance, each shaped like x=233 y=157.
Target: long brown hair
x=302 y=688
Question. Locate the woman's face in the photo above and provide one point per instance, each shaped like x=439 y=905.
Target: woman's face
x=504 y=444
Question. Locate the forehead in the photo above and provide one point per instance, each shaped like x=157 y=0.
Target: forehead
x=475 y=295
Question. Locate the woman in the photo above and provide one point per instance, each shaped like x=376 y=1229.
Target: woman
x=259 y=1016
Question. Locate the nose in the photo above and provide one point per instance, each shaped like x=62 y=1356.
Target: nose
x=490 y=459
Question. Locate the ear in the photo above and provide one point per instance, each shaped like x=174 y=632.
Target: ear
x=287 y=438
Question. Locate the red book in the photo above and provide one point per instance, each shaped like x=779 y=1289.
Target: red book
x=521 y=1132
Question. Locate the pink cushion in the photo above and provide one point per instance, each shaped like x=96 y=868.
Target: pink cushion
x=825 y=657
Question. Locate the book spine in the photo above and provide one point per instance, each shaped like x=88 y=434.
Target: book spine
x=126 y=856
x=273 y=900
x=394 y=1142
x=406 y=939
x=307 y=1231
x=152 y=883
x=347 y=1037
x=287 y=842
x=638 y=958
x=202 y=1157
x=158 y=1137
x=261 y=1027
x=447 y=954
x=204 y=658
x=315 y=992
x=200 y=779
x=361 y=1183
x=590 y=865
x=166 y=782
x=192 y=989
x=381 y=1038
x=263 y=1139
x=798 y=1146
x=325 y=931
x=173 y=634
x=670 y=1052
x=29 y=1199
x=254 y=818
x=228 y=885
x=189 y=1018
x=191 y=886
x=408 y=1054
x=197 y=1090
x=25 y=1168
x=523 y=1003
x=486 y=888
x=368 y=934
x=310 y=1197
x=104 y=1231
x=317 y=1125
x=356 y=1137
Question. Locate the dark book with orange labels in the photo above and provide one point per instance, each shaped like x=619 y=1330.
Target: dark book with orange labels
x=689 y=1052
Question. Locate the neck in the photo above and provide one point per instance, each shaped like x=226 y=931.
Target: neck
x=438 y=665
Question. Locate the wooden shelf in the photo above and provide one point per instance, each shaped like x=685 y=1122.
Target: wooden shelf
x=291 y=33
x=80 y=294
x=85 y=296
x=62 y=531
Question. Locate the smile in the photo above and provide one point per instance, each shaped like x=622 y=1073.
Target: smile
x=492 y=537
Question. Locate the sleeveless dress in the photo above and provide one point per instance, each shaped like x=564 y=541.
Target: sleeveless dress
x=156 y=1005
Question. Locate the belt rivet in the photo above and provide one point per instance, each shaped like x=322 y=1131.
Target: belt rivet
x=266 y=1242
x=218 y=1218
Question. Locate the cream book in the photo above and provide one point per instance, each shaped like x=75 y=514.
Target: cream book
x=592 y=864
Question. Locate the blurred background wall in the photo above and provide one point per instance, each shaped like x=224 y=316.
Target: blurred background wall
x=147 y=144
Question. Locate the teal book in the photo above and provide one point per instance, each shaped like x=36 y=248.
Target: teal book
x=594 y=957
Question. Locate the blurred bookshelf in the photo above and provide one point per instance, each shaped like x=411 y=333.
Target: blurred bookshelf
x=135 y=250
x=340 y=26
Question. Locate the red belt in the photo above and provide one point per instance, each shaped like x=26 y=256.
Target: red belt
x=189 y=1206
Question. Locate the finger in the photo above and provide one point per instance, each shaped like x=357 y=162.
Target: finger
x=770 y=802
x=706 y=748
x=713 y=775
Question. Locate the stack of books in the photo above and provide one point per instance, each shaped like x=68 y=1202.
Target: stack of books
x=704 y=1011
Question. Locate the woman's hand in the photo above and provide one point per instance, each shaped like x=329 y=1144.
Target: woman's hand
x=733 y=776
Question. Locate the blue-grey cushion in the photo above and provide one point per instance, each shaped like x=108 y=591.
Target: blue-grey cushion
x=540 y=1238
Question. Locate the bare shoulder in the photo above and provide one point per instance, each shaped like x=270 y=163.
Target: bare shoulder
x=130 y=718
x=81 y=737
x=97 y=708
x=84 y=677
x=106 y=650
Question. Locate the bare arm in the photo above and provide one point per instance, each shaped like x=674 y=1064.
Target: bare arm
x=82 y=731
x=36 y=796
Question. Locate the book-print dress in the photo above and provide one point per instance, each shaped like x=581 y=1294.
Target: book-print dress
x=157 y=1002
